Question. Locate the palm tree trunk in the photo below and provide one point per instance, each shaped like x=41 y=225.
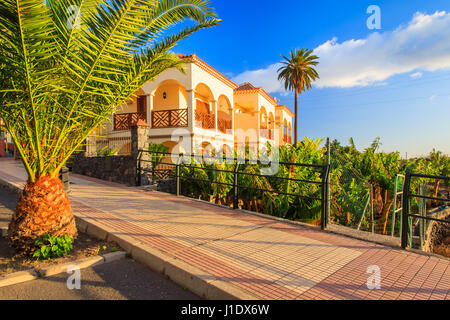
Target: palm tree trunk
x=42 y=208
x=296 y=118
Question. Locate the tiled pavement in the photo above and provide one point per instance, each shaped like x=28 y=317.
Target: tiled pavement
x=265 y=257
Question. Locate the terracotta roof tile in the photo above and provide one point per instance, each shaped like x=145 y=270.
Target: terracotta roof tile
x=182 y=56
x=203 y=65
x=246 y=86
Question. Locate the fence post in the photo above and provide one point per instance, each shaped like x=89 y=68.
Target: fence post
x=235 y=185
x=405 y=210
x=371 y=209
x=139 y=169
x=394 y=206
x=323 y=216
x=322 y=209
x=328 y=180
x=178 y=174
x=423 y=213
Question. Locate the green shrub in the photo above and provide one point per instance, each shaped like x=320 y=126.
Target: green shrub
x=49 y=247
x=106 y=152
x=154 y=148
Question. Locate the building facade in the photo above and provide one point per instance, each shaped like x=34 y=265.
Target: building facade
x=201 y=110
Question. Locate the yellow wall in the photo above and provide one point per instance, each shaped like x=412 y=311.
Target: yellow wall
x=176 y=97
x=224 y=108
x=246 y=126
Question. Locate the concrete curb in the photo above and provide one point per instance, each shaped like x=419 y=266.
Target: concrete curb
x=11 y=187
x=18 y=277
x=33 y=274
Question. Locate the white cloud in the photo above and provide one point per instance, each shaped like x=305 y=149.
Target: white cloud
x=433 y=97
x=422 y=44
x=266 y=78
x=416 y=75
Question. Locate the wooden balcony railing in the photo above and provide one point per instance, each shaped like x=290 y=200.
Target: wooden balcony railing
x=175 y=118
x=285 y=138
x=208 y=121
x=290 y=140
x=224 y=125
x=124 y=121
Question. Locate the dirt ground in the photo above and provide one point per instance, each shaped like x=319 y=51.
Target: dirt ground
x=83 y=247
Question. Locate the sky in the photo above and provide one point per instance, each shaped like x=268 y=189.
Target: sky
x=392 y=82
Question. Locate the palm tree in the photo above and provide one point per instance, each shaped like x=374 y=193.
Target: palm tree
x=66 y=65
x=297 y=73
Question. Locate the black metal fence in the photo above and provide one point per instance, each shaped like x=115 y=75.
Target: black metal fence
x=407 y=216
x=182 y=168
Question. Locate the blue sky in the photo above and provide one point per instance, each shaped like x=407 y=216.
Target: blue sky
x=393 y=82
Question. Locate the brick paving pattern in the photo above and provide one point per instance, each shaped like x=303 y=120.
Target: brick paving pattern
x=267 y=258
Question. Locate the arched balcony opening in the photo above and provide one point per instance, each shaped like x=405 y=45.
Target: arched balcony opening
x=224 y=115
x=204 y=107
x=285 y=131
x=170 y=105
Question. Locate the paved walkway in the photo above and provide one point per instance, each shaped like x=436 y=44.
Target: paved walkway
x=266 y=258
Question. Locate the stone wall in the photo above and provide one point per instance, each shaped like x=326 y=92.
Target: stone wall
x=167 y=185
x=121 y=169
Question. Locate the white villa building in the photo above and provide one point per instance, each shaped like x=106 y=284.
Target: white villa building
x=201 y=109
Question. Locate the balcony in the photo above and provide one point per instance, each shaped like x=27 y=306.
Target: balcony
x=124 y=121
x=176 y=118
x=205 y=120
x=225 y=126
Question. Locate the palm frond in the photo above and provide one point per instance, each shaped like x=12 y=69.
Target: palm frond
x=68 y=65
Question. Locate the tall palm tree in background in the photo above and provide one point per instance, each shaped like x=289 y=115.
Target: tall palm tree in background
x=65 y=66
x=297 y=73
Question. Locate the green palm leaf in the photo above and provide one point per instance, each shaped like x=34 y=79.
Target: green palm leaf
x=67 y=65
x=297 y=74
